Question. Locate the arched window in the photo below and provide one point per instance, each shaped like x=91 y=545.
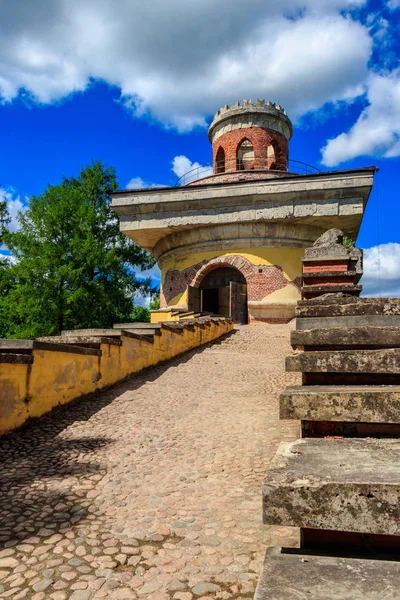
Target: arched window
x=245 y=156
x=220 y=160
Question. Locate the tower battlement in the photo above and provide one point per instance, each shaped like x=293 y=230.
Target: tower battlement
x=257 y=114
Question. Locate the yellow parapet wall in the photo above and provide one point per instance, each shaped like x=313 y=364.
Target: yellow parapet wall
x=37 y=376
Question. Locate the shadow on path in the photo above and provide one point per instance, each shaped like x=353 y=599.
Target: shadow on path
x=38 y=462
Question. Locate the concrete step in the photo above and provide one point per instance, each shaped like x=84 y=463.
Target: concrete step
x=331 y=274
x=347 y=288
x=367 y=404
x=301 y=576
x=347 y=322
x=145 y=331
x=340 y=305
x=346 y=361
x=137 y=325
x=335 y=484
x=380 y=337
x=75 y=334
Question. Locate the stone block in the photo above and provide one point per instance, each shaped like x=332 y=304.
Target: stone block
x=323 y=322
x=341 y=305
x=298 y=575
x=348 y=288
x=137 y=326
x=346 y=361
x=335 y=484
x=352 y=404
x=354 y=336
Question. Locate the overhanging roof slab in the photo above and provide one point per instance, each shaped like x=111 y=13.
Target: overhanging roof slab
x=323 y=200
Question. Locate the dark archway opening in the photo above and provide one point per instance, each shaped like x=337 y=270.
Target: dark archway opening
x=224 y=292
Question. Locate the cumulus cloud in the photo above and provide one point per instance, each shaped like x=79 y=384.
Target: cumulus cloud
x=14 y=205
x=179 y=61
x=183 y=166
x=377 y=131
x=393 y=4
x=382 y=271
x=137 y=183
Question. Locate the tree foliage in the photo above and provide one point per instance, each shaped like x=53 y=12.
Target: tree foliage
x=140 y=314
x=72 y=268
x=155 y=303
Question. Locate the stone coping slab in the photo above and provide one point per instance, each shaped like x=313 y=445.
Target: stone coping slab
x=81 y=340
x=107 y=333
x=352 y=404
x=323 y=322
x=298 y=575
x=137 y=326
x=59 y=347
x=6 y=344
x=344 y=336
x=338 y=484
x=91 y=332
x=346 y=361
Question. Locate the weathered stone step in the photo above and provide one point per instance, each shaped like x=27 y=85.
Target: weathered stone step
x=346 y=361
x=138 y=325
x=348 y=322
x=331 y=274
x=301 y=576
x=354 y=336
x=143 y=331
x=340 y=305
x=367 y=404
x=348 y=288
x=338 y=484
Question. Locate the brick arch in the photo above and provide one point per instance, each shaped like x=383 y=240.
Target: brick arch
x=241 y=264
x=260 y=139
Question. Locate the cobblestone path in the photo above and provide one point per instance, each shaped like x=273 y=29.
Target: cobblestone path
x=152 y=489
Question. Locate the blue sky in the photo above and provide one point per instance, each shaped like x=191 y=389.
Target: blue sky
x=136 y=87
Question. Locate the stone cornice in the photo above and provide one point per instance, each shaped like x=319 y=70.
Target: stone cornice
x=323 y=201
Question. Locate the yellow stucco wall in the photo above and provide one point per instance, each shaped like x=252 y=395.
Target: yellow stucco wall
x=57 y=377
x=163 y=315
x=289 y=259
x=13 y=395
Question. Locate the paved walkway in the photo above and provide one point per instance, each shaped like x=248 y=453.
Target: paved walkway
x=152 y=489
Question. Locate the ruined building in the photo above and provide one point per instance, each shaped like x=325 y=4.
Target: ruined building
x=230 y=239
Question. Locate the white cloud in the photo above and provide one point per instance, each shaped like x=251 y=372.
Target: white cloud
x=179 y=61
x=382 y=271
x=393 y=4
x=377 y=131
x=183 y=166
x=14 y=205
x=137 y=183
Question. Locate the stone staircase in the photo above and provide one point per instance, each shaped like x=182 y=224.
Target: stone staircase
x=340 y=482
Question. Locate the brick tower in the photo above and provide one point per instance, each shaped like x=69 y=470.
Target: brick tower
x=253 y=137
x=229 y=239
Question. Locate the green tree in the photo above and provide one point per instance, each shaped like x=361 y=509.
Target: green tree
x=73 y=268
x=155 y=303
x=140 y=314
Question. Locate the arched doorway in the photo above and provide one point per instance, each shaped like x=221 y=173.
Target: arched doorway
x=223 y=291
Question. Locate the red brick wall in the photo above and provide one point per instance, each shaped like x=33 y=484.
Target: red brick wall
x=260 y=139
x=261 y=280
